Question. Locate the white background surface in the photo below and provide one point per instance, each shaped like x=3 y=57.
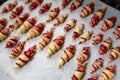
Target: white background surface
x=42 y=68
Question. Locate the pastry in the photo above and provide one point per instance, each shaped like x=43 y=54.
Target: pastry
x=117 y=32
x=108 y=23
x=27 y=25
x=97 y=64
x=69 y=25
x=34 y=4
x=45 y=7
x=108 y=73
x=16 y=11
x=83 y=55
x=79 y=72
x=65 y=3
x=78 y=31
x=9 y=7
x=45 y=38
x=12 y=41
x=55 y=45
x=97 y=38
x=19 y=20
x=86 y=36
x=35 y=31
x=3 y=22
x=94 y=77
x=105 y=46
x=25 y=57
x=4 y=33
x=114 y=54
x=87 y=10
x=66 y=55
x=17 y=50
x=75 y=4
x=26 y=1
x=53 y=14
x=60 y=19
x=97 y=16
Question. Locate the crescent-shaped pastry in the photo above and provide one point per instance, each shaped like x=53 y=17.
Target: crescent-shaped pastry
x=105 y=46
x=16 y=11
x=65 y=3
x=117 y=32
x=83 y=55
x=26 y=1
x=35 y=31
x=69 y=25
x=78 y=31
x=55 y=45
x=60 y=19
x=45 y=38
x=108 y=73
x=79 y=72
x=86 y=36
x=108 y=23
x=97 y=16
x=94 y=77
x=9 y=7
x=87 y=10
x=12 y=41
x=75 y=4
x=114 y=54
x=19 y=20
x=17 y=50
x=45 y=7
x=97 y=38
x=25 y=57
x=27 y=25
x=53 y=14
x=97 y=64
x=66 y=55
x=3 y=22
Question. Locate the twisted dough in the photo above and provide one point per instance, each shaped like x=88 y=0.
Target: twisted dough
x=3 y=22
x=97 y=38
x=117 y=32
x=26 y=1
x=65 y=3
x=94 y=77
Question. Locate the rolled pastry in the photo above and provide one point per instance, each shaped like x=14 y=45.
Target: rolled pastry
x=26 y=1
x=65 y=3
x=3 y=22
x=117 y=32
x=97 y=38
x=94 y=77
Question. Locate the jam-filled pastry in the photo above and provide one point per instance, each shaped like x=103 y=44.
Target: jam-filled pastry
x=53 y=14
x=26 y=1
x=97 y=38
x=65 y=3
x=79 y=72
x=83 y=55
x=114 y=54
x=3 y=22
x=78 y=31
x=35 y=31
x=27 y=25
x=94 y=77
x=9 y=7
x=55 y=45
x=4 y=33
x=45 y=38
x=16 y=11
x=12 y=41
x=97 y=16
x=108 y=73
x=97 y=64
x=108 y=23
x=25 y=57
x=69 y=25
x=105 y=46
x=66 y=55
x=75 y=4
x=87 y=10
x=60 y=19
x=19 y=20
x=17 y=50
x=117 y=32
x=45 y=7
x=86 y=36
x=34 y=4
